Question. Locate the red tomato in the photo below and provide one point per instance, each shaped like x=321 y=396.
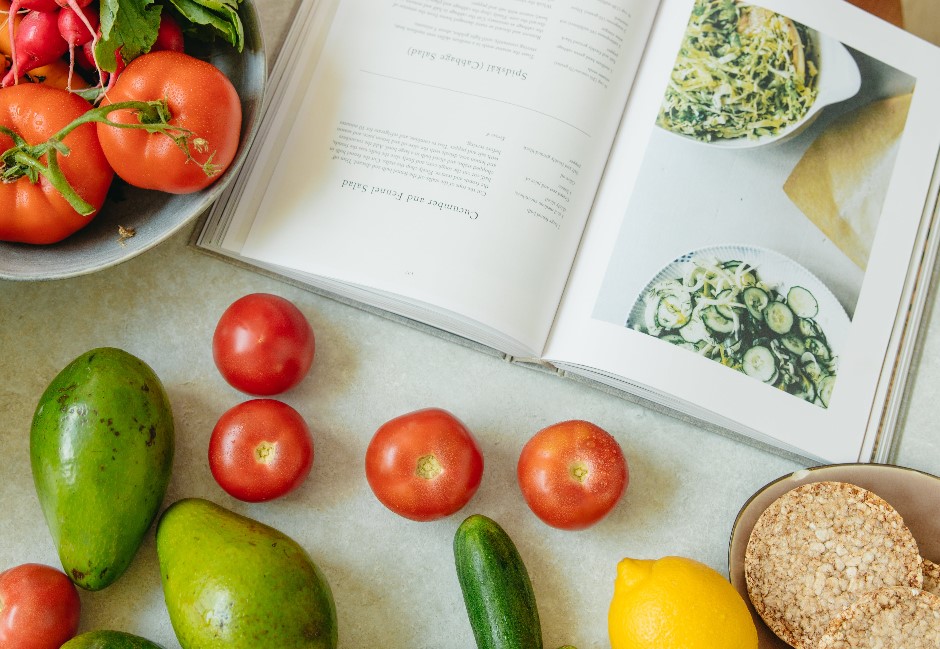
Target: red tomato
x=572 y=474
x=39 y=607
x=260 y=450
x=424 y=465
x=200 y=98
x=36 y=212
x=263 y=344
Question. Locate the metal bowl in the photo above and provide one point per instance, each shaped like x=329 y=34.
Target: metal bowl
x=153 y=216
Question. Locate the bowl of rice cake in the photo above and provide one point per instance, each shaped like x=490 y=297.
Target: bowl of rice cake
x=841 y=556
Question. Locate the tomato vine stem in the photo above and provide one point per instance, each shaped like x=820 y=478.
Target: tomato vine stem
x=24 y=159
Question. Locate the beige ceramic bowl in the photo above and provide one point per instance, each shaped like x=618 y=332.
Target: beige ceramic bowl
x=914 y=494
x=154 y=216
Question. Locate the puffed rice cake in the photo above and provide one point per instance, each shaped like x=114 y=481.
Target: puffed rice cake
x=816 y=549
x=931 y=577
x=889 y=617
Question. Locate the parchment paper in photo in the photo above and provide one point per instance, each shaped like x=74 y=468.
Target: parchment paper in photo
x=841 y=181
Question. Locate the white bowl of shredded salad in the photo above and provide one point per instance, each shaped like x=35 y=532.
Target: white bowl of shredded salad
x=747 y=77
x=752 y=309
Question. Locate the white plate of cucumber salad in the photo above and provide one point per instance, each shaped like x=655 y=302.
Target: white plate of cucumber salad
x=753 y=310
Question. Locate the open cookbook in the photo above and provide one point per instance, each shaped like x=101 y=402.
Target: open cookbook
x=723 y=210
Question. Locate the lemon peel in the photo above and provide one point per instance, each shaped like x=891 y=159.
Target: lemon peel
x=677 y=603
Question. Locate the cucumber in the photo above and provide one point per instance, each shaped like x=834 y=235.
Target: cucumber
x=824 y=390
x=794 y=343
x=802 y=302
x=724 y=301
x=694 y=330
x=778 y=317
x=756 y=300
x=759 y=362
x=673 y=311
x=496 y=587
x=809 y=328
x=818 y=348
x=713 y=319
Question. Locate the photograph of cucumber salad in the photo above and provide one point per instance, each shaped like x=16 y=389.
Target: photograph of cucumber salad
x=725 y=311
x=742 y=72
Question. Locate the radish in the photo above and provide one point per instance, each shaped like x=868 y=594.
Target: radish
x=37 y=43
x=77 y=29
x=30 y=5
x=76 y=6
x=169 y=34
x=119 y=68
x=90 y=23
x=85 y=57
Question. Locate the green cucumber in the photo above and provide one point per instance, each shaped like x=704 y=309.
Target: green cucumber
x=756 y=300
x=759 y=362
x=496 y=587
x=714 y=320
x=779 y=317
x=802 y=302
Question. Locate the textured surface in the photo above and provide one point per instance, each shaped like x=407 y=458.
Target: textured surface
x=931 y=577
x=817 y=549
x=888 y=617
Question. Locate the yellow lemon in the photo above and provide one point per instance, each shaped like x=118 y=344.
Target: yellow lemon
x=677 y=603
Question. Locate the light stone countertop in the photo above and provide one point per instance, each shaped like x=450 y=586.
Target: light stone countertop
x=393 y=579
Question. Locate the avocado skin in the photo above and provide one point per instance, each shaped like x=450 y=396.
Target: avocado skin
x=230 y=581
x=109 y=640
x=101 y=448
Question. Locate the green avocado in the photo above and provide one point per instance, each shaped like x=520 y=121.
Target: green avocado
x=230 y=581
x=109 y=640
x=101 y=447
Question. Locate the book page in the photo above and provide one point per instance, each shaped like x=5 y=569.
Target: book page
x=448 y=151
x=750 y=264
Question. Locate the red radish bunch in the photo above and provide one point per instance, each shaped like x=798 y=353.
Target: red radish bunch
x=50 y=28
x=45 y=34
x=169 y=35
x=79 y=30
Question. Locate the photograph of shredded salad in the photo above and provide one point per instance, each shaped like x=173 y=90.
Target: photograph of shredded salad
x=742 y=72
x=724 y=311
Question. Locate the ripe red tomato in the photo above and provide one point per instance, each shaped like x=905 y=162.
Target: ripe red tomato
x=263 y=344
x=424 y=465
x=572 y=474
x=260 y=450
x=39 y=607
x=36 y=212
x=200 y=98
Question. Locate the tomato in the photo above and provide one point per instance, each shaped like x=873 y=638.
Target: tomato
x=260 y=450
x=424 y=465
x=36 y=212
x=200 y=98
x=263 y=344
x=572 y=474
x=39 y=607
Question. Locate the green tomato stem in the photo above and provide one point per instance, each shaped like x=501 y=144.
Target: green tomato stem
x=428 y=467
x=23 y=159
